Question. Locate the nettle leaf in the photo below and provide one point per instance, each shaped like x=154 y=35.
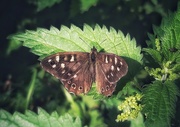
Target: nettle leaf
x=45 y=42
x=176 y=68
x=151 y=41
x=156 y=55
x=159 y=103
x=42 y=119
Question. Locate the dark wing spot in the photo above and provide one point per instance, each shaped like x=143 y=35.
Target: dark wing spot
x=73 y=85
x=52 y=62
x=69 y=82
x=80 y=87
x=107 y=88
x=102 y=89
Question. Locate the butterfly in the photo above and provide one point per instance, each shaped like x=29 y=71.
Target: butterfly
x=78 y=70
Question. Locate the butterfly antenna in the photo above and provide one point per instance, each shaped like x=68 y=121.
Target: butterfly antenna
x=102 y=41
x=85 y=42
x=113 y=46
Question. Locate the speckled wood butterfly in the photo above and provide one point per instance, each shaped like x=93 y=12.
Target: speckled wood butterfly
x=78 y=70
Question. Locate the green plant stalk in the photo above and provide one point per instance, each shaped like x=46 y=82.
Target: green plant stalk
x=31 y=88
x=74 y=105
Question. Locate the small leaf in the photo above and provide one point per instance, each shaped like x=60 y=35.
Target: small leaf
x=86 y=4
x=176 y=68
x=42 y=4
x=5 y=115
x=154 y=54
x=13 y=45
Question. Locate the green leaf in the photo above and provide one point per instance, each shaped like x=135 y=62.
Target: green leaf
x=128 y=90
x=159 y=103
x=42 y=119
x=176 y=68
x=154 y=54
x=86 y=4
x=45 y=42
x=42 y=4
x=13 y=45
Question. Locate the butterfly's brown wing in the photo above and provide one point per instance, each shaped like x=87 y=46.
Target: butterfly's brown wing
x=109 y=69
x=72 y=70
x=81 y=82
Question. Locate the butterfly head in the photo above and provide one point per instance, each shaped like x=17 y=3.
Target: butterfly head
x=93 y=54
x=93 y=49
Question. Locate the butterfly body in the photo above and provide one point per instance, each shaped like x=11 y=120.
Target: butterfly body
x=78 y=70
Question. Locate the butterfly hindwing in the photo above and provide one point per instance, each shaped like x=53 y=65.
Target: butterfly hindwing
x=103 y=85
x=81 y=82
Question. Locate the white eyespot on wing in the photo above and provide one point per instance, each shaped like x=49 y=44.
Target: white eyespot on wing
x=112 y=74
x=54 y=65
x=57 y=58
x=75 y=76
x=112 y=67
x=121 y=63
x=72 y=58
x=62 y=65
x=106 y=60
x=63 y=72
x=115 y=60
x=49 y=60
x=69 y=74
x=118 y=69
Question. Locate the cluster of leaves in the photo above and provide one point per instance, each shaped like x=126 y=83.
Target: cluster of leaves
x=163 y=64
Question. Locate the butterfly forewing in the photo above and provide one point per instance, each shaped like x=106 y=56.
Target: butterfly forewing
x=69 y=67
x=109 y=69
x=64 y=65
